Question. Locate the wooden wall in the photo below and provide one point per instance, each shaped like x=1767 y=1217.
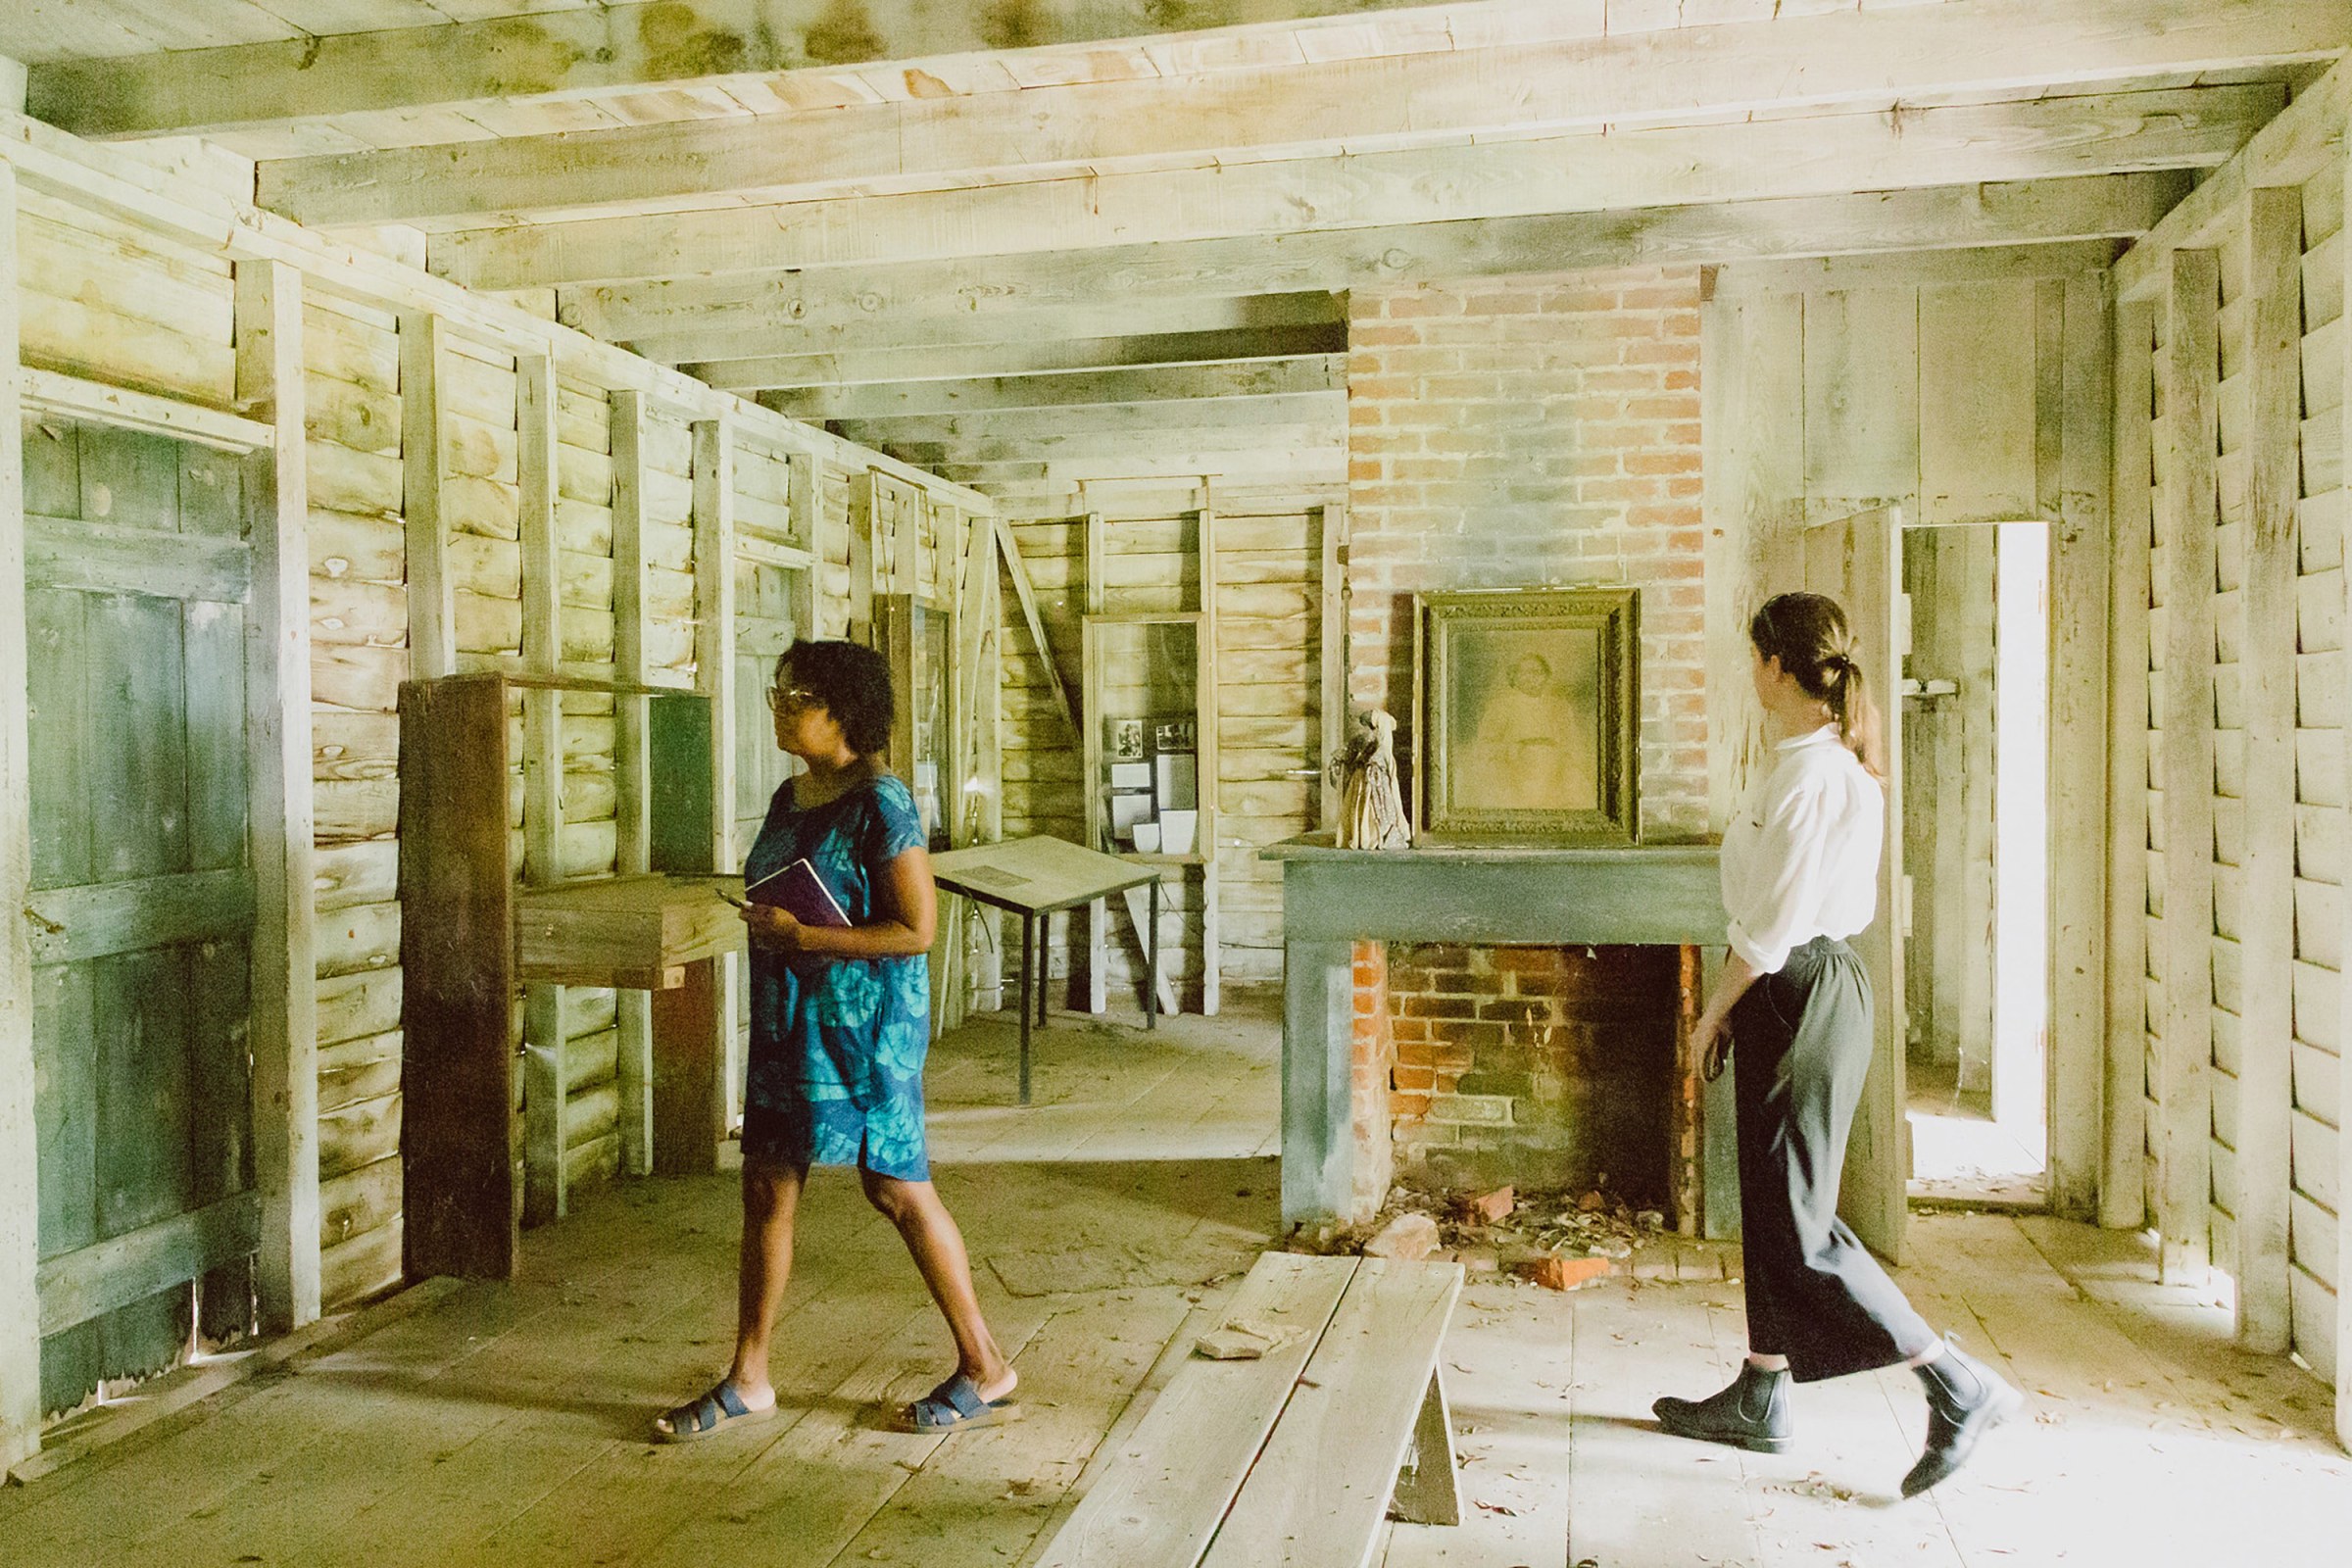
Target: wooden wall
x=1965 y=387
x=410 y=397
x=2231 y=806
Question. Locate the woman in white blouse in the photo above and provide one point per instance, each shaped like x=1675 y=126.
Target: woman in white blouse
x=1800 y=866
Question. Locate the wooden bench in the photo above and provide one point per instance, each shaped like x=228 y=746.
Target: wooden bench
x=1295 y=1457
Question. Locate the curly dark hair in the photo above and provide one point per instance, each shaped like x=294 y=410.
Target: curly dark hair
x=848 y=681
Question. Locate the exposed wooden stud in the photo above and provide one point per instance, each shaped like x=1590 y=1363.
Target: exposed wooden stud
x=1018 y=572
x=2344 y=1138
x=2080 y=592
x=546 y=1088
x=714 y=519
x=863 y=521
x=1944 y=144
x=285 y=1037
x=2267 y=683
x=1204 y=764
x=632 y=762
x=19 y=1161
x=432 y=612
x=1097 y=831
x=2188 y=518
x=803 y=503
x=2123 y=1185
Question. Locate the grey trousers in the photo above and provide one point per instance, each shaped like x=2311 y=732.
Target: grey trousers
x=1801 y=1047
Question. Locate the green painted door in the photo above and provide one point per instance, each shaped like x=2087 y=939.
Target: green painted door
x=142 y=909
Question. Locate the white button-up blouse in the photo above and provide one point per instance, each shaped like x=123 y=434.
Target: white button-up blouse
x=1800 y=860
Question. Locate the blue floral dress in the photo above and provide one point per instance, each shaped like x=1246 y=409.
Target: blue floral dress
x=838 y=1045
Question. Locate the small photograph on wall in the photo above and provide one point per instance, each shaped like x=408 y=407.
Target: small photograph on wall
x=1526 y=701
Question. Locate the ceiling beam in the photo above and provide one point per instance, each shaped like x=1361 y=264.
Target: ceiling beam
x=1037 y=298
x=1322 y=410
x=1652 y=166
x=928 y=361
x=601 y=50
x=1192 y=383
x=1960 y=48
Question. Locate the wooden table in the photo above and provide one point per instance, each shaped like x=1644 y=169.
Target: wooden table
x=1034 y=877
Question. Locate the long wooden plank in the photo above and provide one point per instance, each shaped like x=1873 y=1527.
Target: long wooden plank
x=2266 y=920
x=2344 y=1096
x=91 y=1281
x=2186 y=521
x=67 y=397
x=1644 y=166
x=546 y=1086
x=1985 y=49
x=616 y=49
x=2122 y=1195
x=1157 y=1504
x=100 y=558
x=984 y=360
x=1149 y=386
x=20 y=1204
x=284 y=1029
x=1321 y=1486
x=72 y=924
x=1228 y=285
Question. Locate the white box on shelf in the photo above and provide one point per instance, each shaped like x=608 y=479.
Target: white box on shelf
x=1131 y=775
x=1177 y=830
x=1177 y=784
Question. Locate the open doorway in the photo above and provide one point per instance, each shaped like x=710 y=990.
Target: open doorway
x=1976 y=760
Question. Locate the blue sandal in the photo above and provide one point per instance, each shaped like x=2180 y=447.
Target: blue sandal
x=955 y=1405
x=698 y=1418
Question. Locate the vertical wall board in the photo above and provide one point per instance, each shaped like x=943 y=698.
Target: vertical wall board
x=2080 y=593
x=2123 y=1197
x=547 y=1091
x=714 y=519
x=1862 y=395
x=632 y=762
x=277 y=727
x=432 y=608
x=2342 y=1358
x=2267 y=662
x=1331 y=549
x=2186 y=522
x=460 y=1206
x=1976 y=380
x=19 y=1212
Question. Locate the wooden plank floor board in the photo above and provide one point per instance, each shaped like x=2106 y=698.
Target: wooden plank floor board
x=504 y=1425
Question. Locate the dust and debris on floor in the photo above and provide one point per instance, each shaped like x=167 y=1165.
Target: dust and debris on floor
x=1559 y=1238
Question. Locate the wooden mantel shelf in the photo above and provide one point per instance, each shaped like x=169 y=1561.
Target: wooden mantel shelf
x=1483 y=892
x=629 y=932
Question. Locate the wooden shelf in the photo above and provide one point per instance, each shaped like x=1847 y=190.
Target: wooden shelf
x=1142 y=859
x=631 y=932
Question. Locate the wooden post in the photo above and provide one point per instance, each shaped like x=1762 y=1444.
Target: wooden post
x=2079 y=724
x=714 y=677
x=1098 y=830
x=2191 y=411
x=1206 y=761
x=805 y=478
x=1330 y=531
x=2267 y=677
x=862 y=522
x=19 y=1158
x=2122 y=1163
x=432 y=612
x=284 y=1026
x=547 y=1091
x=631 y=763
x=2343 y=1136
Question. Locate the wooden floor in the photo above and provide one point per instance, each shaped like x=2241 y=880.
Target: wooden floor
x=504 y=1425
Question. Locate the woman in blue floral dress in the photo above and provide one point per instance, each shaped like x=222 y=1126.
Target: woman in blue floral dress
x=841 y=1019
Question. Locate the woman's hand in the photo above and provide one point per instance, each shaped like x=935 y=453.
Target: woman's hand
x=772 y=928
x=1712 y=1040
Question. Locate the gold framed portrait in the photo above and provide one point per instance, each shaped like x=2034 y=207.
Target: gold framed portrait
x=1525 y=702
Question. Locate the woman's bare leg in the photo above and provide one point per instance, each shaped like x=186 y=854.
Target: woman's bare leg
x=771 y=1201
x=931 y=1236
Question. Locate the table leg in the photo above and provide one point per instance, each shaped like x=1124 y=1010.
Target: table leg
x=1044 y=963
x=1028 y=944
x=1151 y=964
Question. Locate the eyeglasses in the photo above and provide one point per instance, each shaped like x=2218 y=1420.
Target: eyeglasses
x=781 y=698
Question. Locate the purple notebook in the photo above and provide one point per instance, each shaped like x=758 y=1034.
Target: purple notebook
x=800 y=893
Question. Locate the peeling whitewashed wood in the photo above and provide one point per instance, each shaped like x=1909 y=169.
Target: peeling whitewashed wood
x=1997 y=48
x=432 y=607
x=631 y=760
x=284 y=1028
x=1645 y=166
x=2343 y=1094
x=545 y=1089
x=67 y=397
x=20 y=1208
